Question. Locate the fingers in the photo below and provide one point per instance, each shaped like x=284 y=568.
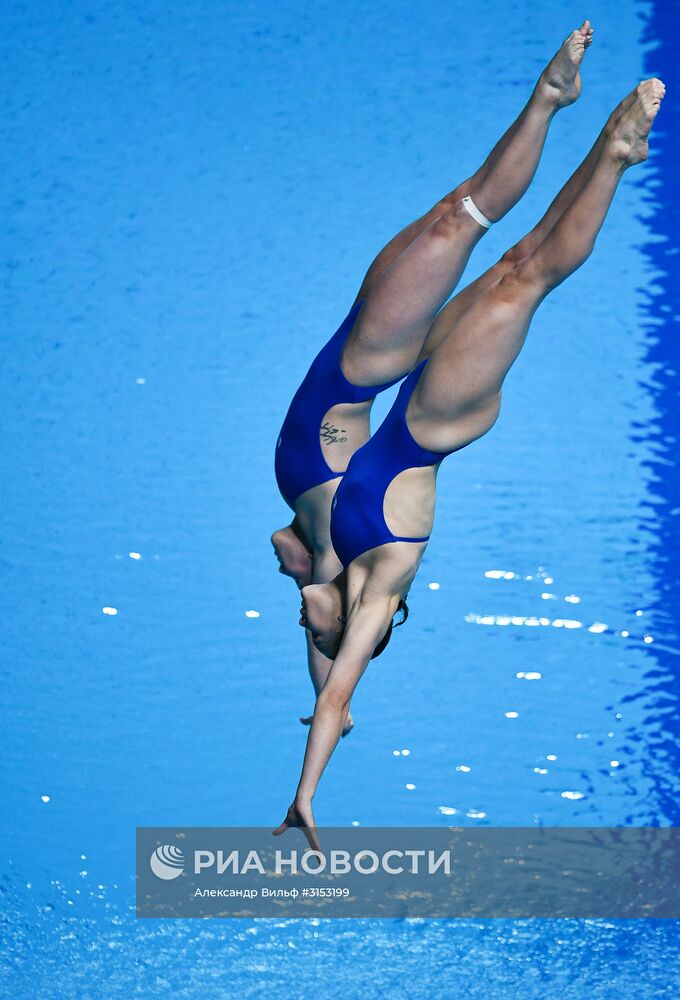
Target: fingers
x=308 y=831
x=312 y=839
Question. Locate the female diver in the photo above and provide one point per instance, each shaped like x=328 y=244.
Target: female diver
x=383 y=509
x=381 y=338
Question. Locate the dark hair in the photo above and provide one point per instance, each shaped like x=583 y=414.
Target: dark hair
x=382 y=645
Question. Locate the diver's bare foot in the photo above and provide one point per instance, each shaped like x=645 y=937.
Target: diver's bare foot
x=560 y=81
x=301 y=817
x=295 y=560
x=346 y=729
x=628 y=136
x=619 y=111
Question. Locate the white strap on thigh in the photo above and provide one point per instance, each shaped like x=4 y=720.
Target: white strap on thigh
x=475 y=213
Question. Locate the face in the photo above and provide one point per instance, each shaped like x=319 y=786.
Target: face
x=322 y=613
x=292 y=556
x=279 y=554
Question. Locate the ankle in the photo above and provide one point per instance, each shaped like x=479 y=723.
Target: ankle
x=546 y=97
x=617 y=151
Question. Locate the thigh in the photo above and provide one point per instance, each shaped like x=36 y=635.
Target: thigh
x=452 y=313
x=394 y=321
x=405 y=237
x=457 y=399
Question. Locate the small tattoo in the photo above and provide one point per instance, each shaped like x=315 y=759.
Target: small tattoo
x=330 y=434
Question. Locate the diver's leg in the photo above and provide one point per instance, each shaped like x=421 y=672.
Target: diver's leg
x=571 y=189
x=458 y=397
x=403 y=239
x=571 y=240
x=453 y=310
x=401 y=304
x=504 y=160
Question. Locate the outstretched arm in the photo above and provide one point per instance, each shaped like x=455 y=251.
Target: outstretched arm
x=366 y=625
x=319 y=669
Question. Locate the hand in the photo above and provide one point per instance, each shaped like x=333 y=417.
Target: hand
x=301 y=817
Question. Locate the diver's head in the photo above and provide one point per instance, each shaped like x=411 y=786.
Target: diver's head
x=323 y=613
x=382 y=645
x=294 y=554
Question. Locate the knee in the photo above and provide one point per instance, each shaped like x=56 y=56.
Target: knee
x=525 y=276
x=450 y=199
x=443 y=227
x=454 y=220
x=512 y=256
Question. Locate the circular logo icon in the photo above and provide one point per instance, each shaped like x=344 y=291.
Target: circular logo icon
x=167 y=861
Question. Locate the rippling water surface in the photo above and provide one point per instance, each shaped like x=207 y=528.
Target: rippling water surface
x=190 y=197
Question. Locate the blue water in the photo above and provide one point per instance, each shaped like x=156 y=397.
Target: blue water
x=190 y=198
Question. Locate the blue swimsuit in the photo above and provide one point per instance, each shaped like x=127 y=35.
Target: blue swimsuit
x=357 y=520
x=299 y=461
